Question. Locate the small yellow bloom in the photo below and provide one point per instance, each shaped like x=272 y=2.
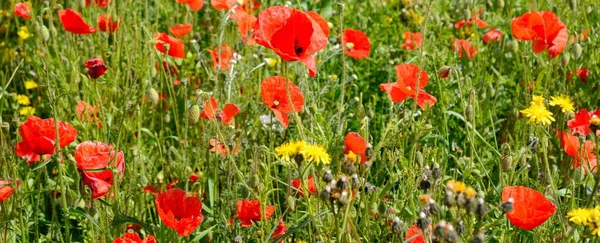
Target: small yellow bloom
x=30 y=84
x=351 y=157
x=563 y=101
x=580 y=216
x=24 y=33
x=315 y=153
x=290 y=150
x=27 y=111
x=270 y=62
x=23 y=100
x=537 y=111
x=470 y=193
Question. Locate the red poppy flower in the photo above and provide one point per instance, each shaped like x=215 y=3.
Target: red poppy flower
x=74 y=23
x=99 y=3
x=223 y=4
x=474 y=20
x=582 y=154
x=95 y=156
x=357 y=145
x=530 y=207
x=107 y=24
x=583 y=74
x=292 y=34
x=249 y=211
x=40 y=136
x=133 y=237
x=464 y=46
x=406 y=86
x=88 y=113
x=297 y=184
x=211 y=111
x=544 y=28
x=581 y=123
x=223 y=59
x=195 y=5
x=22 y=10
x=245 y=23
x=179 y=212
x=96 y=67
x=194 y=177
x=414 y=235
x=356 y=44
x=280 y=230
x=274 y=95
x=492 y=35
x=22 y=149
x=412 y=40
x=175 y=46
x=5 y=190
x=180 y=30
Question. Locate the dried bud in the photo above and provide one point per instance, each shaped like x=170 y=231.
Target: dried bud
x=325 y=194
x=507 y=207
x=342 y=183
x=482 y=208
x=344 y=199
x=327 y=176
x=424 y=184
x=397 y=225
x=436 y=173
x=423 y=222
x=354 y=180
x=479 y=238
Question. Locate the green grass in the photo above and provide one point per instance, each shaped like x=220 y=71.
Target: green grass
x=473 y=125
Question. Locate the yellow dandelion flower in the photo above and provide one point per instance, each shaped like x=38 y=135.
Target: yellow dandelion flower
x=30 y=84
x=580 y=216
x=564 y=102
x=27 y=111
x=315 y=153
x=470 y=193
x=24 y=33
x=537 y=112
x=23 y=100
x=290 y=150
x=456 y=186
x=351 y=157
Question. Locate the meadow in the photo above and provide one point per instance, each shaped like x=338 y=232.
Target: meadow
x=300 y=121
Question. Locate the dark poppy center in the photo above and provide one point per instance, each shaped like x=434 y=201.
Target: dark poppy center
x=297 y=48
x=275 y=104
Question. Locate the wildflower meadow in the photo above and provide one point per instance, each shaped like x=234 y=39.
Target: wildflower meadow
x=301 y=121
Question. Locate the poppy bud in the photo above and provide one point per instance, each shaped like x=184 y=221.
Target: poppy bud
x=566 y=57
x=167 y=117
x=152 y=95
x=193 y=114
x=507 y=207
x=419 y=157
x=469 y=113
x=237 y=239
x=513 y=46
x=327 y=177
x=506 y=162
x=500 y=3
x=444 y=71
x=467 y=14
x=577 y=50
x=291 y=203
x=573 y=5
x=44 y=32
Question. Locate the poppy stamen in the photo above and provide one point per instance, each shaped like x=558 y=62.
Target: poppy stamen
x=349 y=45
x=297 y=48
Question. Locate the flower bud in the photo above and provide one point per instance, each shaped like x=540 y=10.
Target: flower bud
x=513 y=46
x=325 y=194
x=444 y=71
x=152 y=95
x=327 y=176
x=577 y=50
x=507 y=207
x=565 y=58
x=193 y=114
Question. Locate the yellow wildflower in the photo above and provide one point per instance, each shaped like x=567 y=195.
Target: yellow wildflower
x=30 y=84
x=315 y=153
x=23 y=100
x=27 y=111
x=24 y=33
x=537 y=112
x=565 y=103
x=351 y=157
x=581 y=216
x=470 y=193
x=290 y=150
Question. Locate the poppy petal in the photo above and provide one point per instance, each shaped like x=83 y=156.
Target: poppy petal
x=530 y=207
x=180 y=30
x=394 y=92
x=229 y=112
x=74 y=23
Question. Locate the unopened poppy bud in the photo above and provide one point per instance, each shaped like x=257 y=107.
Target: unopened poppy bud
x=564 y=60
x=44 y=32
x=419 y=157
x=193 y=114
x=513 y=46
x=469 y=113
x=577 y=50
x=152 y=95
x=291 y=203
x=573 y=5
x=354 y=77
x=506 y=162
x=467 y=14
x=167 y=117
x=500 y=3
x=327 y=176
x=444 y=71
x=237 y=239
x=507 y=207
